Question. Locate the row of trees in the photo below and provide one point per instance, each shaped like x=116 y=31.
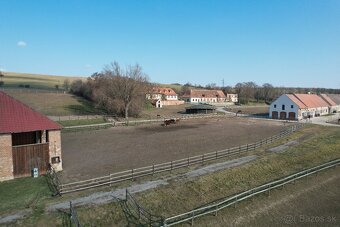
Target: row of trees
x=250 y=91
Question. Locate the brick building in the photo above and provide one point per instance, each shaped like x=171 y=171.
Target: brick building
x=27 y=140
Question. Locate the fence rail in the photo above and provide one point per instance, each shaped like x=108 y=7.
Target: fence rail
x=170 y=166
x=213 y=208
x=136 y=215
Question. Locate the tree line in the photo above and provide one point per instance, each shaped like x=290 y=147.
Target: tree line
x=123 y=91
x=252 y=92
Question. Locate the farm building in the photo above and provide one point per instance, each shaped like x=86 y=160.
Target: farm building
x=27 y=140
x=298 y=106
x=336 y=99
x=206 y=96
x=200 y=109
x=163 y=97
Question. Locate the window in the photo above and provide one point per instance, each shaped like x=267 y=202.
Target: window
x=274 y=105
x=283 y=107
x=292 y=106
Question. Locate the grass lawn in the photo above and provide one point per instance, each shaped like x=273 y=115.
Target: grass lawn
x=54 y=104
x=22 y=193
x=82 y=122
x=35 y=81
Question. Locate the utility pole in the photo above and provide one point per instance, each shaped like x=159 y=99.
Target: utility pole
x=222 y=83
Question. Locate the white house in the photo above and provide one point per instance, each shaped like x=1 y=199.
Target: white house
x=232 y=97
x=162 y=94
x=298 y=106
x=163 y=97
x=204 y=96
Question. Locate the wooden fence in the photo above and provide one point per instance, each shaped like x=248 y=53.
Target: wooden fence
x=213 y=208
x=169 y=166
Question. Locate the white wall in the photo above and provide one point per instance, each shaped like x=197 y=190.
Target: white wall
x=284 y=100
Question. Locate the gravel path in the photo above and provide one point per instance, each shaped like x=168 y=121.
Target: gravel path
x=107 y=197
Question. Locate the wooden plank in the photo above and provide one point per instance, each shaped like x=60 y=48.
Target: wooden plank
x=27 y=157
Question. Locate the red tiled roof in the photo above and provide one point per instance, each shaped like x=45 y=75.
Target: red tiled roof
x=202 y=93
x=335 y=98
x=17 y=117
x=296 y=101
x=311 y=100
x=328 y=99
x=163 y=91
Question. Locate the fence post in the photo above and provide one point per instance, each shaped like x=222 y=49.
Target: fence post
x=170 y=166
x=188 y=162
x=192 y=218
x=247 y=146
x=216 y=155
x=203 y=159
x=132 y=174
x=70 y=213
x=153 y=170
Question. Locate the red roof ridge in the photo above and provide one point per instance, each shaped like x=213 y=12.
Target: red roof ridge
x=16 y=116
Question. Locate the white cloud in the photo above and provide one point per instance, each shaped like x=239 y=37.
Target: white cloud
x=2 y=69
x=21 y=44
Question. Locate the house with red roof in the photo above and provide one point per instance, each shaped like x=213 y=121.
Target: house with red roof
x=208 y=96
x=163 y=97
x=28 y=140
x=299 y=106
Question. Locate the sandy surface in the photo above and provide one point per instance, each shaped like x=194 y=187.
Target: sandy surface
x=96 y=153
x=91 y=154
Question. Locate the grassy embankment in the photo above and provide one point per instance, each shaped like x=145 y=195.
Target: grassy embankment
x=35 y=81
x=317 y=145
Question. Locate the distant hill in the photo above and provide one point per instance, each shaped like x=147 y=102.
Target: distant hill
x=35 y=81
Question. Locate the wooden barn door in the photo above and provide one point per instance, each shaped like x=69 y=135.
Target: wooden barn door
x=27 y=157
x=275 y=115
x=291 y=115
x=282 y=115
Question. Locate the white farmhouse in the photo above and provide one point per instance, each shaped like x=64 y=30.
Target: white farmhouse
x=298 y=106
x=204 y=96
x=163 y=97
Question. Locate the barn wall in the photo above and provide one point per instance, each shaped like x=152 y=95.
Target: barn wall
x=55 y=148
x=6 y=159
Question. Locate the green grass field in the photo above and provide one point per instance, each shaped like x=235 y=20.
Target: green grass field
x=35 y=81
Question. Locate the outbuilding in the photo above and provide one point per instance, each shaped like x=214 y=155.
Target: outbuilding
x=28 y=140
x=200 y=109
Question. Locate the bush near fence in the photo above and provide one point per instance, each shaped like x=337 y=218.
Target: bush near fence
x=172 y=165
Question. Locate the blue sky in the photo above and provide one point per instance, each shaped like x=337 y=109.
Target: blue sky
x=283 y=42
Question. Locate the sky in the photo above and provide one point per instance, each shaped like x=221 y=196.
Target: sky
x=292 y=43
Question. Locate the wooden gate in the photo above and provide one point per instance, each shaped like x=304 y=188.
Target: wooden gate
x=26 y=157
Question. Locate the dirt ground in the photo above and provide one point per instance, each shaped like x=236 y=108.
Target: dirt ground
x=250 y=109
x=91 y=154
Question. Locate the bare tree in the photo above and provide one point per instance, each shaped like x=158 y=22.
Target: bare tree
x=66 y=84
x=1 y=76
x=119 y=89
x=268 y=92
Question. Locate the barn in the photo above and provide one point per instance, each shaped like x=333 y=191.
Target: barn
x=298 y=106
x=200 y=109
x=28 y=140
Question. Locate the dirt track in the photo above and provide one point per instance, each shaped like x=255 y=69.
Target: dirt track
x=95 y=153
